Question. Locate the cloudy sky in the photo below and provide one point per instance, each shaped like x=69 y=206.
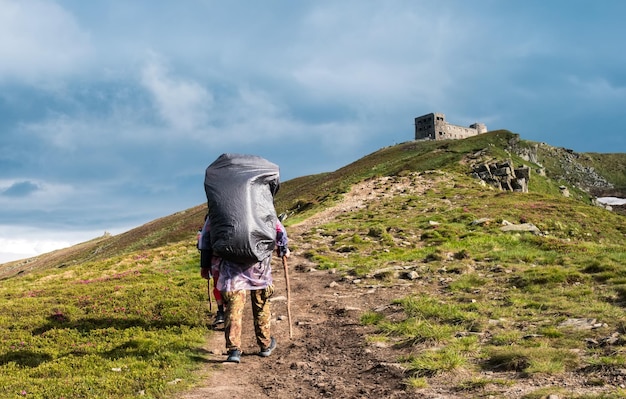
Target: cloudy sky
x=111 y=110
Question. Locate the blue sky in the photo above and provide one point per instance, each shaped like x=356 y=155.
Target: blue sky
x=110 y=111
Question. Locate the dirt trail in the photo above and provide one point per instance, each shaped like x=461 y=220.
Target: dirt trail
x=328 y=355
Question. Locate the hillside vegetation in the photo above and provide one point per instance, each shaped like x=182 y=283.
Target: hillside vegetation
x=579 y=172
x=125 y=316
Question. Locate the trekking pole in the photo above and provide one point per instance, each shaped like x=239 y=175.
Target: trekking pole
x=288 y=296
x=208 y=288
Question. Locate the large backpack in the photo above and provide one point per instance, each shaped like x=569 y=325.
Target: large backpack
x=240 y=193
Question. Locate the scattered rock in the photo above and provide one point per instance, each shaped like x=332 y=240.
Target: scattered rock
x=521 y=227
x=411 y=275
x=578 y=324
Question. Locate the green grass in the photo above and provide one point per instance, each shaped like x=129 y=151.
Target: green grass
x=543 y=393
x=431 y=363
x=125 y=327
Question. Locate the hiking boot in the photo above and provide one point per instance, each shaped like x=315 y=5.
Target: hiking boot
x=219 y=318
x=268 y=351
x=234 y=356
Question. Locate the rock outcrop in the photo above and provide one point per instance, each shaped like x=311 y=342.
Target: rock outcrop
x=503 y=175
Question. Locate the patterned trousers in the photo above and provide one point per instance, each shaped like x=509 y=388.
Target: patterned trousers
x=234 y=302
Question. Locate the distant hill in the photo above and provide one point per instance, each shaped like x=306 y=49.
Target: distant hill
x=586 y=175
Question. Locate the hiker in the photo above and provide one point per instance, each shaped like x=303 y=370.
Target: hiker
x=235 y=279
x=209 y=268
x=244 y=233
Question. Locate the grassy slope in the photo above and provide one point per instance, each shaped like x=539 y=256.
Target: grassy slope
x=610 y=166
x=120 y=316
x=410 y=156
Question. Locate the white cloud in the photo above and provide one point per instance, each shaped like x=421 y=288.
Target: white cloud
x=20 y=248
x=95 y=134
x=61 y=131
x=38 y=39
x=19 y=242
x=182 y=103
x=251 y=115
x=386 y=55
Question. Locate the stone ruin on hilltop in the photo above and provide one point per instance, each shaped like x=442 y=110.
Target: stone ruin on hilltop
x=433 y=126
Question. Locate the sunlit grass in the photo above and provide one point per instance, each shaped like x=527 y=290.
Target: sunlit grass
x=615 y=360
x=417 y=331
x=417 y=382
x=530 y=359
x=430 y=363
x=369 y=318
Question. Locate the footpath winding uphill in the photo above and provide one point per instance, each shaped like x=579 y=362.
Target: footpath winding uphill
x=328 y=355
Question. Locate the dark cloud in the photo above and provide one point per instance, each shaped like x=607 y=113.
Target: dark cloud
x=20 y=189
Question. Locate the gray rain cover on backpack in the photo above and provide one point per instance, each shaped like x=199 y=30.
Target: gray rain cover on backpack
x=240 y=193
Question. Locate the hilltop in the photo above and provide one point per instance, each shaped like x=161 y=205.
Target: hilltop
x=405 y=282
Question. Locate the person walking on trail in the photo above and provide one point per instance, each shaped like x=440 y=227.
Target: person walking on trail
x=235 y=279
x=244 y=233
x=209 y=269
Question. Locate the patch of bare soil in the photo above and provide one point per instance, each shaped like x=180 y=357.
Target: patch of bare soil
x=329 y=355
